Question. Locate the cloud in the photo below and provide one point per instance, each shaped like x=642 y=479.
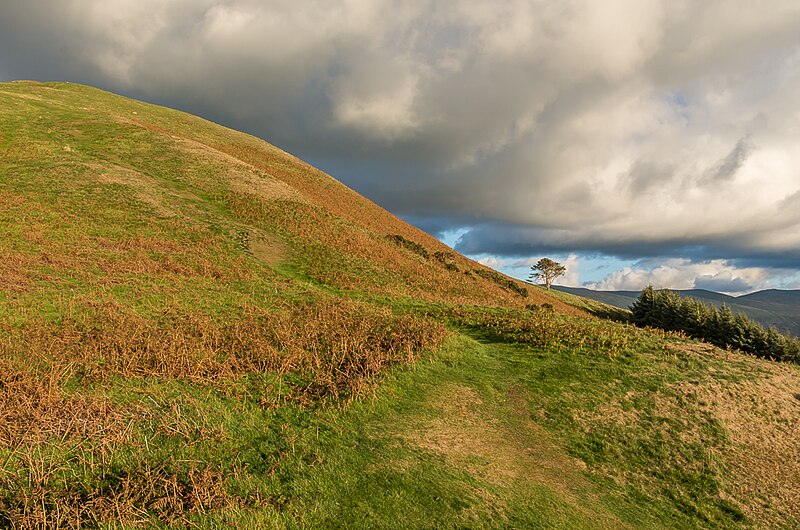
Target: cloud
x=715 y=275
x=492 y=262
x=726 y=170
x=723 y=283
x=630 y=128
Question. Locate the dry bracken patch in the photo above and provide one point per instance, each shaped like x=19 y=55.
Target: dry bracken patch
x=333 y=348
x=34 y=408
x=12 y=272
x=338 y=346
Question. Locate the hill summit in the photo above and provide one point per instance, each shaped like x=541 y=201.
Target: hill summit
x=112 y=186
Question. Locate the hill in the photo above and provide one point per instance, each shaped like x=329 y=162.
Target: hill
x=199 y=330
x=773 y=307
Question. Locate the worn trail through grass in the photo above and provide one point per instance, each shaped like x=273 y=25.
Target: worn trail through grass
x=495 y=434
x=453 y=444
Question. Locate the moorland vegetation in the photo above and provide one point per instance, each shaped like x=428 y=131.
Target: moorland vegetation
x=198 y=330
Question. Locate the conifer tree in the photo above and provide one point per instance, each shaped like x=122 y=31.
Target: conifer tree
x=547 y=270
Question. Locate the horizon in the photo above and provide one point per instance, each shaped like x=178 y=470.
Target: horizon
x=636 y=142
x=677 y=290
x=520 y=269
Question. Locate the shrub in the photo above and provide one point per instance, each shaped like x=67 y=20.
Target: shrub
x=670 y=311
x=446 y=259
x=502 y=281
x=545 y=329
x=408 y=244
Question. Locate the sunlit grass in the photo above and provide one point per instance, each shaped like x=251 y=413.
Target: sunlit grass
x=197 y=329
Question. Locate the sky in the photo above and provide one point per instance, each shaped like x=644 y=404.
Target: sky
x=636 y=141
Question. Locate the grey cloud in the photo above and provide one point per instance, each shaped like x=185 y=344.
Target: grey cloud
x=644 y=175
x=644 y=126
x=726 y=169
x=722 y=285
x=511 y=240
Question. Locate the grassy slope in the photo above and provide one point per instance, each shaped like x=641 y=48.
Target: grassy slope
x=186 y=314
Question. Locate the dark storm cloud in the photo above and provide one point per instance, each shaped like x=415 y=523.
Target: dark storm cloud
x=635 y=127
x=519 y=241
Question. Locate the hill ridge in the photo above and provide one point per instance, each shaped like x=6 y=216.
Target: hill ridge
x=257 y=184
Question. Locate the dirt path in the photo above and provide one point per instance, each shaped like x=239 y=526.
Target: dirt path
x=498 y=443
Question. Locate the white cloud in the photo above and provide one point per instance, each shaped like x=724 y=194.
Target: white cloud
x=572 y=278
x=716 y=275
x=493 y=262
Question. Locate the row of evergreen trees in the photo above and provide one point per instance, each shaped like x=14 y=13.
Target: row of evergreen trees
x=669 y=310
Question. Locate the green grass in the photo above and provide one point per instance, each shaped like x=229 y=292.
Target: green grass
x=364 y=466
x=661 y=470
x=158 y=370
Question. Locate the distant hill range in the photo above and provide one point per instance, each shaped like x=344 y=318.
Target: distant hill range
x=771 y=307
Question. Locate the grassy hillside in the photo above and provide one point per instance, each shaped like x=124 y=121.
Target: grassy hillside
x=199 y=330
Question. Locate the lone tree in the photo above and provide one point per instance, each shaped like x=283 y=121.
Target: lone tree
x=547 y=270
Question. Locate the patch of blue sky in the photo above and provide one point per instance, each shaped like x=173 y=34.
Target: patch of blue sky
x=451 y=237
x=679 y=104
x=791 y=281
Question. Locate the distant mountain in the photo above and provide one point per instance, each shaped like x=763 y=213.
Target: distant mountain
x=771 y=307
x=774 y=296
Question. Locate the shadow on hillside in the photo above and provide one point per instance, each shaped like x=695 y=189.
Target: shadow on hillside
x=609 y=313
